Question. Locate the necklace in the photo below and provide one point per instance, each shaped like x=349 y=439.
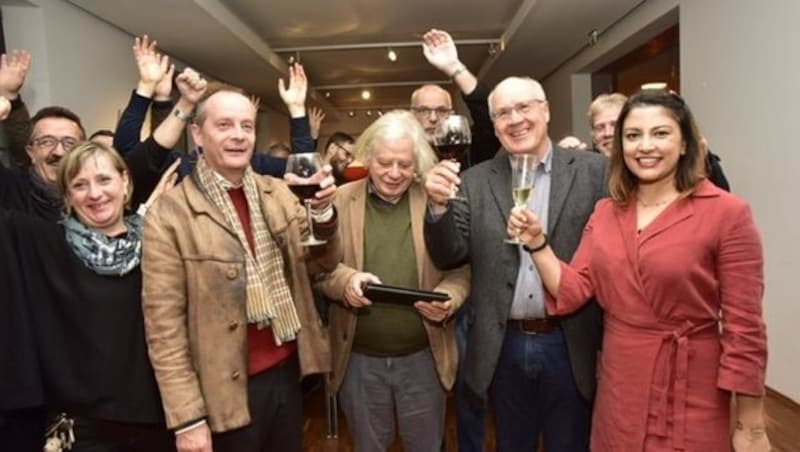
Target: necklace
x=653 y=204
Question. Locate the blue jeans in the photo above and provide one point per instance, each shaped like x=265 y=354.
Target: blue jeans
x=470 y=420
x=533 y=391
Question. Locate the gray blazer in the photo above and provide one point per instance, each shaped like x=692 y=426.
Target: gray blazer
x=473 y=232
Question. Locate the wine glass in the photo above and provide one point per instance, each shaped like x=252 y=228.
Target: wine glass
x=523 y=175
x=451 y=138
x=304 y=165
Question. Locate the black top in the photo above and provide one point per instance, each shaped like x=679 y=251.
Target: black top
x=88 y=328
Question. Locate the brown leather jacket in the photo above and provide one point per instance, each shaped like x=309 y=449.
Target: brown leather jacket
x=194 y=291
x=350 y=203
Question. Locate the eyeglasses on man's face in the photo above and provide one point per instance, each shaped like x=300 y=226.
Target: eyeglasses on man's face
x=521 y=108
x=49 y=142
x=440 y=112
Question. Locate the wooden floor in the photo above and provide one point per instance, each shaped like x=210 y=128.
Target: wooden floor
x=783 y=427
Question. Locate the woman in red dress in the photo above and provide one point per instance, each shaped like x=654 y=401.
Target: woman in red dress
x=677 y=265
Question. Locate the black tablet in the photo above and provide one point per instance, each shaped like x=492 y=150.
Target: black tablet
x=391 y=294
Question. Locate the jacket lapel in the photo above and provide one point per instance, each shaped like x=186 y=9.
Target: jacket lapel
x=416 y=203
x=199 y=203
x=358 y=199
x=561 y=177
x=500 y=184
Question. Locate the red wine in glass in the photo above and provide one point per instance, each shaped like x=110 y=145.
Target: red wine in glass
x=305 y=191
x=451 y=151
x=304 y=166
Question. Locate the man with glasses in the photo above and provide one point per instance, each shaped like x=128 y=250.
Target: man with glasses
x=537 y=370
x=431 y=104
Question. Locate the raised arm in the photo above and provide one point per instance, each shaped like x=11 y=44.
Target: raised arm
x=441 y=52
x=294 y=96
x=14 y=68
x=152 y=67
x=148 y=159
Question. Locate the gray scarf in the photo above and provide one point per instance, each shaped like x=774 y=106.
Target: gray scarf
x=102 y=254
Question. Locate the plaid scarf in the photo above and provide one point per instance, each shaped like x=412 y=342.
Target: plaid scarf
x=269 y=300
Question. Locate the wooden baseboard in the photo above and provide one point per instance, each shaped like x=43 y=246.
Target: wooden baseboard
x=783 y=400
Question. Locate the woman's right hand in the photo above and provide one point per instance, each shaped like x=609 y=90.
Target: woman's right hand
x=750 y=440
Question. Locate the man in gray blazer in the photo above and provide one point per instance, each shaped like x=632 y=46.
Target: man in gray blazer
x=538 y=370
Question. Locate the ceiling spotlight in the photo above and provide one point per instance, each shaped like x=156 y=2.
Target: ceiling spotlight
x=392 y=55
x=291 y=59
x=351 y=114
x=380 y=113
x=369 y=112
x=327 y=94
x=366 y=94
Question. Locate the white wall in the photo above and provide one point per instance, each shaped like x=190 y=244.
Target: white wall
x=739 y=72
x=79 y=61
x=86 y=65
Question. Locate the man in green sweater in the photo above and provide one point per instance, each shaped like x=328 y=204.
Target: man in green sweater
x=392 y=363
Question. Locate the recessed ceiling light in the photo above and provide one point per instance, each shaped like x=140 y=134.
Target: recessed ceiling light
x=369 y=112
x=327 y=94
x=351 y=113
x=366 y=94
x=392 y=55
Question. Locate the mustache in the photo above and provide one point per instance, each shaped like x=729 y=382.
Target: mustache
x=52 y=159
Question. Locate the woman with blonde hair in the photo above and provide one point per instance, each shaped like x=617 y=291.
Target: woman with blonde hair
x=81 y=281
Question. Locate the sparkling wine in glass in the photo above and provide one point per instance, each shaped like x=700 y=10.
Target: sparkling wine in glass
x=305 y=165
x=451 y=139
x=523 y=175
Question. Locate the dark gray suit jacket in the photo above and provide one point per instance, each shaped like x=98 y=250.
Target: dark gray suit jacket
x=474 y=231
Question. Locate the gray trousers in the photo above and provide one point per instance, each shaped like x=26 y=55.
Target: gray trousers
x=378 y=390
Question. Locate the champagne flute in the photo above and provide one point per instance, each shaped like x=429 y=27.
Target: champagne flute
x=304 y=165
x=451 y=139
x=523 y=175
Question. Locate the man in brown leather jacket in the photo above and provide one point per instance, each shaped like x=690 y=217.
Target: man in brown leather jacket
x=228 y=308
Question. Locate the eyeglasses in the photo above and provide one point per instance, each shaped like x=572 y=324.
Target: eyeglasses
x=522 y=108
x=49 y=142
x=601 y=126
x=440 y=112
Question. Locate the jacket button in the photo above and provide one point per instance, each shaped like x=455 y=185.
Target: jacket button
x=232 y=273
x=235 y=375
x=233 y=325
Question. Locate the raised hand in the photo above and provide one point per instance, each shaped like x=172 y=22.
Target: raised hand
x=13 y=69
x=191 y=85
x=151 y=64
x=164 y=86
x=294 y=96
x=5 y=108
x=256 y=101
x=439 y=183
x=315 y=117
x=167 y=181
x=440 y=51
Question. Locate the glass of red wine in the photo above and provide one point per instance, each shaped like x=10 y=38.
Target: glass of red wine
x=304 y=166
x=452 y=138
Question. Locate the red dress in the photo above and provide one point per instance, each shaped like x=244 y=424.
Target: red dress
x=683 y=323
